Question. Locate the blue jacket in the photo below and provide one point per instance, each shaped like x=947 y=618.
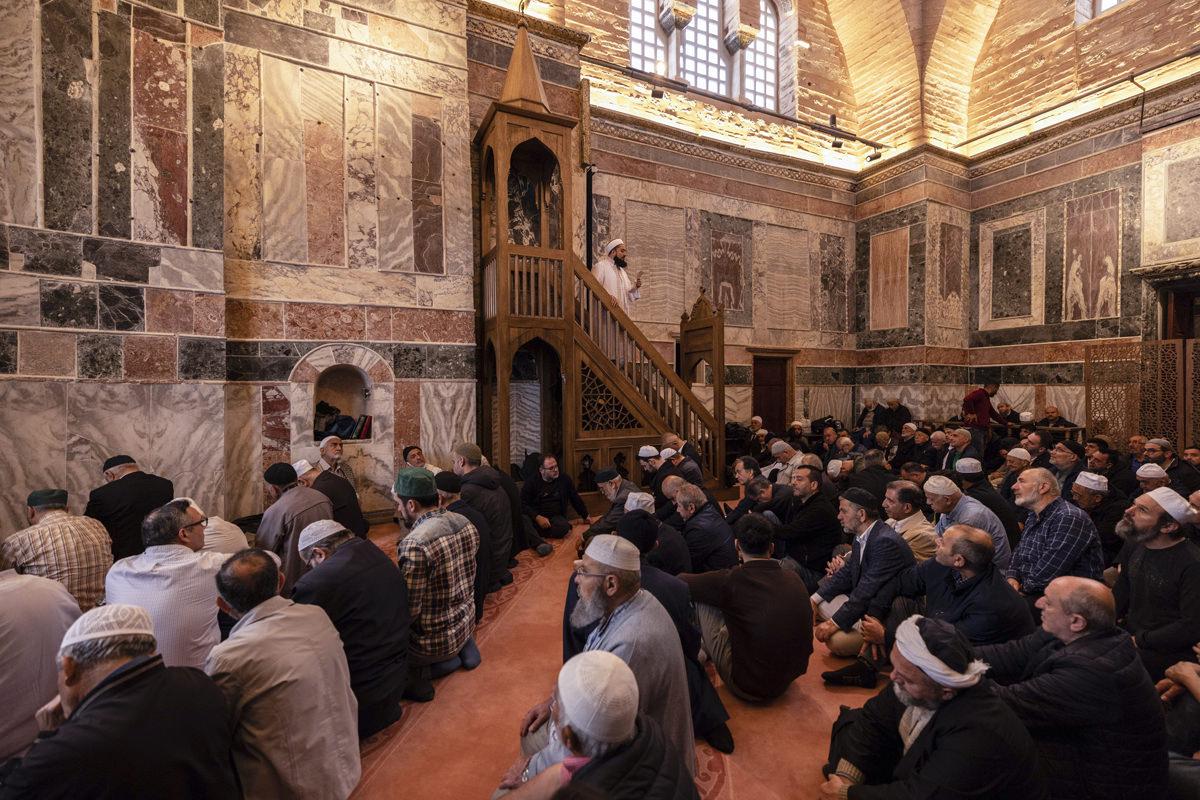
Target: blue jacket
x=863 y=578
x=709 y=539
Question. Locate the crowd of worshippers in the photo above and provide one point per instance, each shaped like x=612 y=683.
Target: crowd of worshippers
x=1033 y=620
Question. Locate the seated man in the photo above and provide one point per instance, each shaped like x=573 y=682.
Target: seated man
x=1059 y=539
x=367 y=601
x=346 y=510
x=1053 y=419
x=872 y=475
x=878 y=555
x=770 y=499
x=1105 y=505
x=1184 y=477
x=545 y=496
x=752 y=618
x=449 y=490
x=1109 y=464
x=482 y=490
x=934 y=732
x=174 y=581
x=1081 y=690
x=220 y=535
x=1158 y=588
x=1067 y=460
x=616 y=490
x=955 y=508
x=688 y=450
x=976 y=485
x=283 y=671
x=788 y=457
x=117 y=698
x=670 y=551
x=73 y=550
x=709 y=537
x=960 y=585
x=810 y=528
x=634 y=626
x=296 y=506
x=332 y=459
x=902 y=504
x=126 y=497
x=437 y=558
x=960 y=447
x=1151 y=477
x=414 y=456
x=745 y=469
x=614 y=750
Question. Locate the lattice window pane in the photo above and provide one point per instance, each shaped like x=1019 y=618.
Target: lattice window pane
x=1105 y=5
x=761 y=80
x=645 y=45
x=703 y=63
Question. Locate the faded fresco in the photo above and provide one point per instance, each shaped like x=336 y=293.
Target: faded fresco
x=1092 y=256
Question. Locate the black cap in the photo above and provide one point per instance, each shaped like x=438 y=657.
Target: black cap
x=281 y=474
x=860 y=497
x=639 y=527
x=447 y=481
x=605 y=475
x=46 y=497
x=116 y=461
x=1074 y=446
x=409 y=449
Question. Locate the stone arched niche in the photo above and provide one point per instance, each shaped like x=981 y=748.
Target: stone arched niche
x=343 y=370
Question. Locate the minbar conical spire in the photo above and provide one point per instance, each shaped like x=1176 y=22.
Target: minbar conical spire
x=523 y=84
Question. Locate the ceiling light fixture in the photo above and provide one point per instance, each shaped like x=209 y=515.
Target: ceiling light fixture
x=874 y=156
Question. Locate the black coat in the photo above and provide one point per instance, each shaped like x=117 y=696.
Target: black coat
x=483 y=555
x=811 y=531
x=709 y=539
x=1092 y=709
x=522 y=527
x=1105 y=517
x=481 y=489
x=147 y=731
x=861 y=578
x=550 y=499
x=985 y=493
x=874 y=479
x=122 y=505
x=974 y=747
x=642 y=769
x=343 y=498
x=366 y=598
x=671 y=555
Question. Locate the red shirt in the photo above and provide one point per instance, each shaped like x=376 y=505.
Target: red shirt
x=979 y=403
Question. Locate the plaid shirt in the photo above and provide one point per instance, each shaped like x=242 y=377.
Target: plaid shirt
x=438 y=561
x=75 y=551
x=343 y=469
x=1062 y=540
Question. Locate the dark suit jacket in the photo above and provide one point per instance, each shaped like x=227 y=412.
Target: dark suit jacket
x=123 y=504
x=343 y=498
x=952 y=457
x=862 y=578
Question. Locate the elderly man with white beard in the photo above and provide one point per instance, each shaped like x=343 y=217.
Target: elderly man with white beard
x=934 y=731
x=616 y=490
x=634 y=626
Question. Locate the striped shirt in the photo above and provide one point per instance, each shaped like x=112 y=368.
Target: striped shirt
x=73 y=550
x=438 y=562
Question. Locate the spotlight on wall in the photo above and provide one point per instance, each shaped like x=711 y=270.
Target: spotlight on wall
x=837 y=143
x=657 y=92
x=875 y=155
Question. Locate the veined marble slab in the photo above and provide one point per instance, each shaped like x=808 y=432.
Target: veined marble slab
x=187 y=268
x=394 y=143
x=243 y=450
x=18 y=103
x=655 y=236
x=243 y=176
x=35 y=415
x=447 y=417
x=782 y=269
x=362 y=208
x=285 y=235
x=324 y=170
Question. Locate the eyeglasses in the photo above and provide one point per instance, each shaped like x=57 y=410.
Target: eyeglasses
x=201 y=521
x=579 y=571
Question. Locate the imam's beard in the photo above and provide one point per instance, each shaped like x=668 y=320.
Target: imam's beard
x=620 y=262
x=587 y=611
x=908 y=700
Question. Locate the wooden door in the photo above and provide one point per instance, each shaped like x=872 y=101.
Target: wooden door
x=769 y=396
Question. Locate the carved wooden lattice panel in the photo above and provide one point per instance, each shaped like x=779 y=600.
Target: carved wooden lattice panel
x=1192 y=413
x=1162 y=389
x=599 y=408
x=1136 y=387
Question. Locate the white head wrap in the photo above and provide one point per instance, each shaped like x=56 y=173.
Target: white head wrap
x=613 y=245
x=778 y=446
x=302 y=467
x=103 y=622
x=1020 y=453
x=639 y=501
x=908 y=426
x=615 y=552
x=912 y=646
x=599 y=696
x=316 y=531
x=762 y=431
x=1172 y=502
x=647 y=451
x=1151 y=471
x=1090 y=480
x=942 y=486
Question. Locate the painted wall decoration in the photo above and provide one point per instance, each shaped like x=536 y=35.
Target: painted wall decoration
x=1012 y=271
x=945 y=287
x=727 y=259
x=889 y=280
x=1170 y=197
x=1092 y=256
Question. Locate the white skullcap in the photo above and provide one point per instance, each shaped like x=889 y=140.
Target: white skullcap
x=1090 y=480
x=968 y=466
x=778 y=446
x=667 y=452
x=647 y=451
x=908 y=426
x=835 y=468
x=1026 y=416
x=796 y=423
x=1020 y=453
x=316 y=531
x=302 y=467
x=1165 y=444
x=639 y=501
x=328 y=439
x=613 y=245
x=763 y=431
x=103 y=622
x=599 y=696
x=615 y=552
x=941 y=486
x=1151 y=471
x=912 y=646
x=1172 y=502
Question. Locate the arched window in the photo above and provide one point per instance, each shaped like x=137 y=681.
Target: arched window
x=761 y=73
x=702 y=61
x=645 y=43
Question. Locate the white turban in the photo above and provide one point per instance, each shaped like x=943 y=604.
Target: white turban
x=912 y=646
x=835 y=468
x=615 y=552
x=965 y=466
x=1026 y=416
x=942 y=486
x=103 y=622
x=667 y=452
x=1090 y=480
x=1172 y=502
x=613 y=245
x=639 y=501
x=599 y=696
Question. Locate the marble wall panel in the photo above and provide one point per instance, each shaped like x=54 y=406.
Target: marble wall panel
x=209 y=315
x=187 y=268
x=601 y=224
x=8 y=352
x=20 y=299
x=447 y=417
x=113 y=126
x=456 y=186
x=67 y=304
x=243 y=450
x=726 y=263
x=946 y=286
x=208 y=144
x=782 y=271
x=252 y=31
x=362 y=209
x=159 y=192
x=47 y=252
x=150 y=358
x=1012 y=291
x=46 y=353
x=831 y=304
x=208 y=11
x=888 y=283
x=100 y=356
x=427 y=200
x=738 y=402
x=407 y=427
x=18 y=104
x=243 y=176
x=324 y=172
x=1092 y=256
x=34 y=414
x=655 y=235
x=67 y=87
x=169 y=311
x=1169 y=193
x=122 y=308
x=284 y=190
x=394 y=143
x=525 y=415
x=120 y=261
x=1071 y=402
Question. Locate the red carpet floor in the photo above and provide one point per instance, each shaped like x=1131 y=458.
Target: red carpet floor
x=458 y=746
